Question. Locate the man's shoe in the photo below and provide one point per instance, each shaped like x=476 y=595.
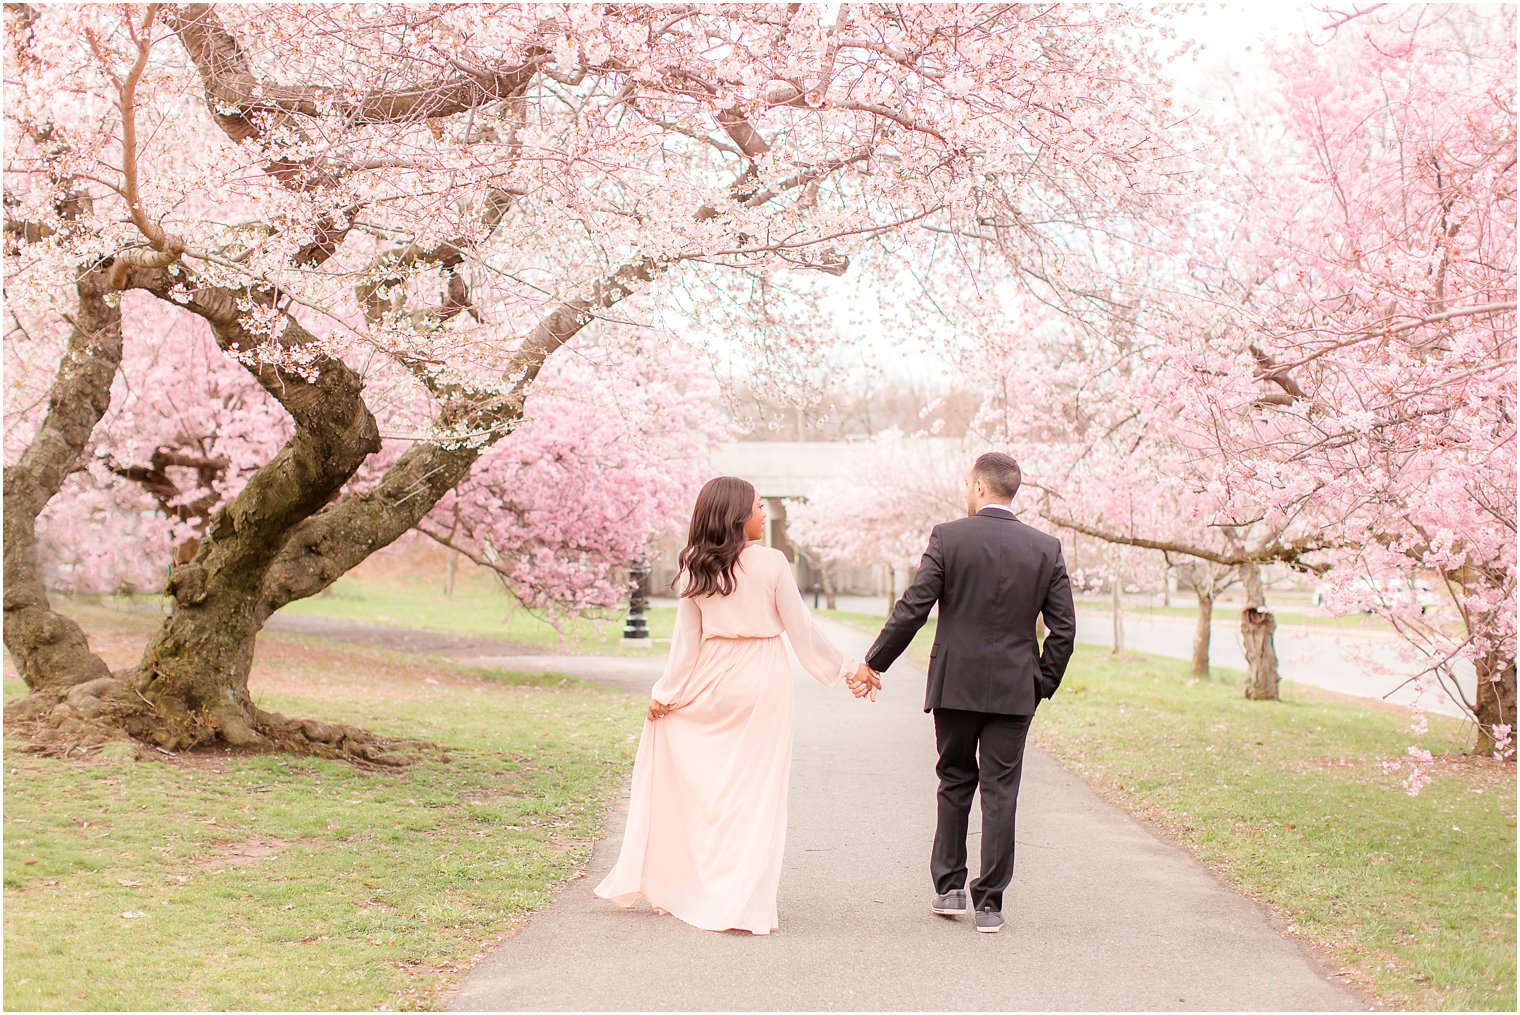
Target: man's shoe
x=989 y=921
x=952 y=903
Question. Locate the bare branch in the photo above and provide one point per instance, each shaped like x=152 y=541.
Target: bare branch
x=1276 y=551
x=230 y=82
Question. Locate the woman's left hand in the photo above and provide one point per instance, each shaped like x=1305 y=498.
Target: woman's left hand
x=658 y=710
x=864 y=682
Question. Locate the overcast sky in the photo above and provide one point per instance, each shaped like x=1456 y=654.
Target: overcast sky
x=1231 y=36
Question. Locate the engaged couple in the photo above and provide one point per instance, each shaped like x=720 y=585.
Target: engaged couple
x=707 y=816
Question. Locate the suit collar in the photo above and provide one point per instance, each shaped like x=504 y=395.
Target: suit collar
x=993 y=511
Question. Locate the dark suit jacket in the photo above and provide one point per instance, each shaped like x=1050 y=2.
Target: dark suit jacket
x=992 y=576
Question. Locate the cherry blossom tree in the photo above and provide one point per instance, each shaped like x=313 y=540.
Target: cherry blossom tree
x=613 y=443
x=1371 y=289
x=1315 y=363
x=1110 y=455
x=609 y=458
x=395 y=218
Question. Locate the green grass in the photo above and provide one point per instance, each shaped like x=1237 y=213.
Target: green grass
x=477 y=608
x=480 y=611
x=1288 y=800
x=273 y=883
x=918 y=650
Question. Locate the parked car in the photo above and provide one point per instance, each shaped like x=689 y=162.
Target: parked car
x=1395 y=591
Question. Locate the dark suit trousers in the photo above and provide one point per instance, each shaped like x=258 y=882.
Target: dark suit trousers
x=999 y=741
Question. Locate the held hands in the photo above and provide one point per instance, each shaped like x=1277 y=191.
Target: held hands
x=864 y=682
x=658 y=710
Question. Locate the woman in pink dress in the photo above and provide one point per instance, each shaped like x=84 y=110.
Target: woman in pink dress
x=707 y=816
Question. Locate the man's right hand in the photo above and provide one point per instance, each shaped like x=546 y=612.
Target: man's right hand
x=865 y=682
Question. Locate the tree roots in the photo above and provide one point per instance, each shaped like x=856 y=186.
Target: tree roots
x=87 y=716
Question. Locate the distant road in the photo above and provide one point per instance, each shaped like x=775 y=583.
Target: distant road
x=1366 y=665
x=1358 y=663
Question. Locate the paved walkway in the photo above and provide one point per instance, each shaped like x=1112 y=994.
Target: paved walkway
x=1101 y=915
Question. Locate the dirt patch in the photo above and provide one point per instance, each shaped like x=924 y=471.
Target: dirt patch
x=569 y=844
x=1477 y=772
x=482 y=797
x=215 y=760
x=248 y=853
x=322 y=671
x=1307 y=692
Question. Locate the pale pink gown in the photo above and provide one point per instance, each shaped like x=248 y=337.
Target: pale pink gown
x=707 y=816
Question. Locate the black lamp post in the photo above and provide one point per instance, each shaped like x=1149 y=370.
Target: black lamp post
x=636 y=627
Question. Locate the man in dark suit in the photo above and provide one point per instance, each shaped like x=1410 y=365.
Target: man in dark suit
x=992 y=575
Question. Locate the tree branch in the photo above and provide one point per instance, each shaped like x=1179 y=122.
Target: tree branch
x=328 y=544
x=229 y=82
x=51 y=650
x=168 y=246
x=155 y=479
x=1279 y=552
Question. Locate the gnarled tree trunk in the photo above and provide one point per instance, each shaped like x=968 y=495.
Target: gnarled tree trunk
x=194 y=673
x=292 y=531
x=192 y=682
x=50 y=650
x=1256 y=629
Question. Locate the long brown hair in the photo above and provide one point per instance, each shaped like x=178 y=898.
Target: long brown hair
x=716 y=537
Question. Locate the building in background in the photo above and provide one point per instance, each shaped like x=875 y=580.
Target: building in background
x=787 y=470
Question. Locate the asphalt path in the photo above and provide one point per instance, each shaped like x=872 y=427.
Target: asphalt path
x=1102 y=913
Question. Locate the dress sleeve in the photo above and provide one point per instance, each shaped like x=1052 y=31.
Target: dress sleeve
x=825 y=663
x=674 y=686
